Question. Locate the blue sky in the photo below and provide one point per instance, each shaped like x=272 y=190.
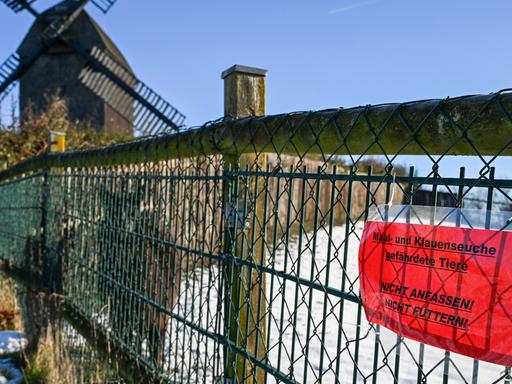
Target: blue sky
x=319 y=54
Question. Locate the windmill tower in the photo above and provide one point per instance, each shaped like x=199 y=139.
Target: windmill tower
x=66 y=52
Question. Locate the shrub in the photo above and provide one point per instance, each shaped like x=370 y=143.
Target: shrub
x=28 y=137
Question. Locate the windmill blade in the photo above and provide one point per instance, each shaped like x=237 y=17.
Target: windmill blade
x=103 y=5
x=13 y=68
x=20 y=5
x=129 y=96
x=57 y=25
x=7 y=91
x=8 y=71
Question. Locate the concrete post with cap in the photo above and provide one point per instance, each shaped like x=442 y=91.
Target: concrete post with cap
x=244 y=96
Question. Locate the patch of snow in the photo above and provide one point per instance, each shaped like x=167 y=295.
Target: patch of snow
x=12 y=342
x=192 y=356
x=303 y=321
x=330 y=343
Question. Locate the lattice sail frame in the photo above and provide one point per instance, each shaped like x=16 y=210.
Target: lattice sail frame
x=163 y=242
x=17 y=5
x=159 y=117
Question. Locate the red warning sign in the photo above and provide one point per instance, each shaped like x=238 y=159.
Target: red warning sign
x=449 y=287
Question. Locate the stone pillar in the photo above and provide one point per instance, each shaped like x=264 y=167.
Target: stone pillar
x=246 y=309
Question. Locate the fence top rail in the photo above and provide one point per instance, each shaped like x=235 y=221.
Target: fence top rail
x=478 y=125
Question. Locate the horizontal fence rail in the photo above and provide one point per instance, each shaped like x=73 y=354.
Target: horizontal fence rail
x=229 y=251
x=478 y=125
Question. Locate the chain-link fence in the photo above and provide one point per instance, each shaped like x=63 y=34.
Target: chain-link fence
x=230 y=251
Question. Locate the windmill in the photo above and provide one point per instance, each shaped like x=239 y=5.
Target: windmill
x=65 y=51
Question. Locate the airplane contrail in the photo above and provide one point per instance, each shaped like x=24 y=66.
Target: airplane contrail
x=353 y=6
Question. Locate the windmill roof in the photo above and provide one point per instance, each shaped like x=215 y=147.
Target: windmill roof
x=84 y=30
x=109 y=44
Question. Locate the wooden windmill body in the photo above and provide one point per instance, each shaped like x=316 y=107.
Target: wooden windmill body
x=58 y=72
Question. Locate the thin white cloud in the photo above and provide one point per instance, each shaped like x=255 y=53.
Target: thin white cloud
x=353 y=6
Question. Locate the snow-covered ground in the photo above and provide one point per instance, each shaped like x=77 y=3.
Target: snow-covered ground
x=339 y=346
x=12 y=342
x=329 y=343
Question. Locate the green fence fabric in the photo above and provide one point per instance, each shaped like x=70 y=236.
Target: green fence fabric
x=229 y=251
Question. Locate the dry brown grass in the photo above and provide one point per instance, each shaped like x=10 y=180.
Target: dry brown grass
x=60 y=355
x=10 y=316
x=59 y=360
x=49 y=362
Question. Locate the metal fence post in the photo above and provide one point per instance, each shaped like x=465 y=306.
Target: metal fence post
x=52 y=258
x=46 y=266
x=244 y=95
